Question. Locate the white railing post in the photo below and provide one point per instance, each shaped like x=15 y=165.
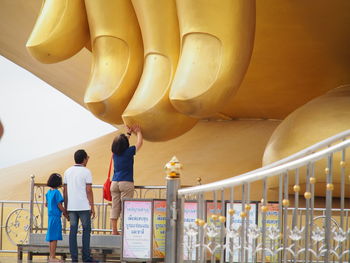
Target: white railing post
x=327 y=222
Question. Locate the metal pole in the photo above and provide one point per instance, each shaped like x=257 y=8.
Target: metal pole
x=31 y=206
x=243 y=217
x=172 y=212
x=248 y=223
x=264 y=208
x=2 y=222
x=280 y=215
x=180 y=230
x=329 y=173
x=231 y=215
x=42 y=209
x=222 y=227
x=307 y=214
x=342 y=197
x=201 y=235
x=285 y=216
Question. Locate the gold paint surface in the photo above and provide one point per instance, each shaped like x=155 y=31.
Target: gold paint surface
x=163 y=108
x=117 y=58
x=150 y=106
x=300 y=52
x=315 y=121
x=61 y=31
x=234 y=143
x=217 y=40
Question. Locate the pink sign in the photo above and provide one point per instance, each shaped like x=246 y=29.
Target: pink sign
x=137 y=229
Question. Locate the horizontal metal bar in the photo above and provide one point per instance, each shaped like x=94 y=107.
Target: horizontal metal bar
x=318 y=209
x=14 y=202
x=79 y=229
x=8 y=251
x=259 y=175
x=311 y=149
x=40 y=202
x=136 y=186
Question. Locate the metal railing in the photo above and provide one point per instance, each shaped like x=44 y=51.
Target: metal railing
x=101 y=222
x=19 y=218
x=14 y=217
x=226 y=230
x=229 y=231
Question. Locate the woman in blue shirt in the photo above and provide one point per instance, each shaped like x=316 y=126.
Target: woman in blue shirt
x=123 y=178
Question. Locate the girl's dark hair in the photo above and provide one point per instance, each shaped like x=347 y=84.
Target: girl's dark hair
x=55 y=180
x=120 y=144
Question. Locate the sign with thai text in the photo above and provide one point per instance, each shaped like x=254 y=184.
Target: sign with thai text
x=159 y=228
x=137 y=229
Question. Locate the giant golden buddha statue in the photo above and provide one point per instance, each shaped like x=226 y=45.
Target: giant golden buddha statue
x=167 y=65
x=139 y=72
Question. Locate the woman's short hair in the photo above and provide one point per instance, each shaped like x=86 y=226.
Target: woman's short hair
x=55 y=180
x=120 y=144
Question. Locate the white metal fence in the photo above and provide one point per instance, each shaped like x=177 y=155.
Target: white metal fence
x=291 y=229
x=19 y=218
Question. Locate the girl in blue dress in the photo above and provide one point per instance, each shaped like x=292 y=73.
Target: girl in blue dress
x=55 y=209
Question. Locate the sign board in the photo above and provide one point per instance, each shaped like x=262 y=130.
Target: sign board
x=137 y=230
x=159 y=228
x=144 y=230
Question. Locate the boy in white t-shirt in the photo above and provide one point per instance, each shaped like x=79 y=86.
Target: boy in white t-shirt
x=79 y=202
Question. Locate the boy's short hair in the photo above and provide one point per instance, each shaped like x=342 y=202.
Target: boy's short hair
x=80 y=156
x=55 y=180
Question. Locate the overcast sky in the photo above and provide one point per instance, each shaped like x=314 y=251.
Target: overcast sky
x=38 y=119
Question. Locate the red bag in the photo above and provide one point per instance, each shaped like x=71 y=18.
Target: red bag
x=107 y=185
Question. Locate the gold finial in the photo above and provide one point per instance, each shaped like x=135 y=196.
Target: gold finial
x=264 y=209
x=222 y=219
x=243 y=214
x=307 y=195
x=214 y=217
x=285 y=202
x=173 y=168
x=296 y=188
x=201 y=222
x=199 y=180
x=330 y=187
